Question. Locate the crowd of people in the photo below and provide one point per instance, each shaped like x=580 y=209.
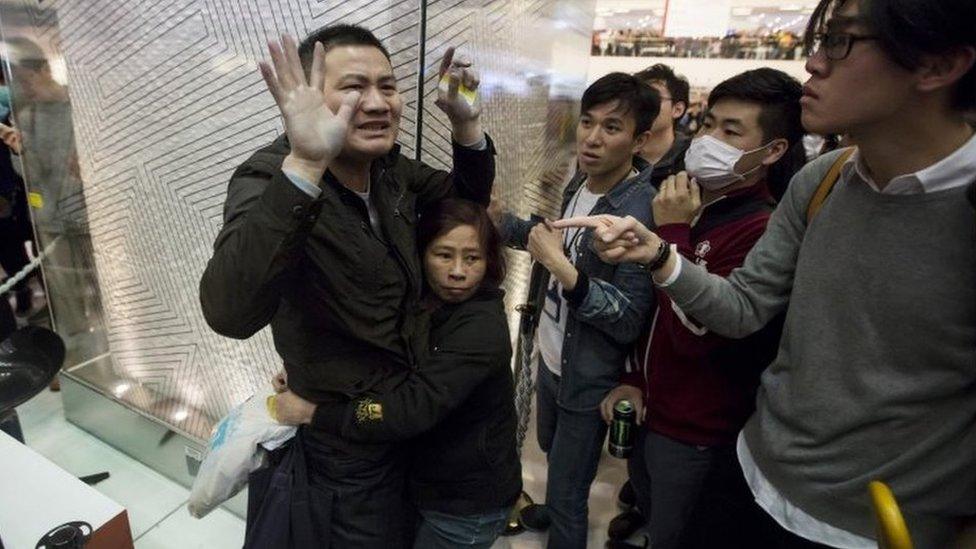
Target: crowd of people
x=754 y=44
x=786 y=330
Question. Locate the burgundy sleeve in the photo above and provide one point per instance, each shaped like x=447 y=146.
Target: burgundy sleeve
x=733 y=251
x=678 y=234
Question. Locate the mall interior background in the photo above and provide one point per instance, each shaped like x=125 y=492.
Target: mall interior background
x=164 y=101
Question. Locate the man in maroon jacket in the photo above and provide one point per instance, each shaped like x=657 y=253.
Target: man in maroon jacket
x=693 y=389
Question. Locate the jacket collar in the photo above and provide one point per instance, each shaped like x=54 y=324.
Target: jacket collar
x=741 y=201
x=618 y=193
x=390 y=158
x=441 y=313
x=674 y=154
x=386 y=161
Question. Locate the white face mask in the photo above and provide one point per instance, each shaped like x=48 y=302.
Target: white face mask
x=711 y=162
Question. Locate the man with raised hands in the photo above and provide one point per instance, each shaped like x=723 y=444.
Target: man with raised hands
x=318 y=241
x=872 y=254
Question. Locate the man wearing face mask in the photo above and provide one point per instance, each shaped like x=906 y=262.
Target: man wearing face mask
x=693 y=389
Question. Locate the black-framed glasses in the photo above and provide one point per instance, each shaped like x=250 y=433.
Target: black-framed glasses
x=837 y=45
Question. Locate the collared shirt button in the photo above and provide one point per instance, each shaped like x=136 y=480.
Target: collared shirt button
x=297 y=212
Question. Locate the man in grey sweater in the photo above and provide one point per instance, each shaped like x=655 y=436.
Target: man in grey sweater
x=875 y=378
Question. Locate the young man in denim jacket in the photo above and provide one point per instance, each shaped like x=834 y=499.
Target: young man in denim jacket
x=591 y=311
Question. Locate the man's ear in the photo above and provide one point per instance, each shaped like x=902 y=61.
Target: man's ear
x=678 y=109
x=775 y=151
x=640 y=140
x=943 y=71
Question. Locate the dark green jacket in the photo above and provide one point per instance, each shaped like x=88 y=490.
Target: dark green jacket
x=340 y=299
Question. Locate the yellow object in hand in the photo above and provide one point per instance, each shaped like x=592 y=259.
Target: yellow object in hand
x=465 y=92
x=272 y=405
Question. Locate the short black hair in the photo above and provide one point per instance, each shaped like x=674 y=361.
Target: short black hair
x=907 y=30
x=332 y=36
x=678 y=86
x=778 y=96
x=632 y=97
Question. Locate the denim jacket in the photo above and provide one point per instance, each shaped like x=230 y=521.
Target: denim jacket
x=610 y=305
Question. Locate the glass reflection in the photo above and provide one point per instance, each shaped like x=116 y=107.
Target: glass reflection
x=47 y=158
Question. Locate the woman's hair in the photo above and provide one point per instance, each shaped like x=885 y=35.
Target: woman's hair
x=443 y=216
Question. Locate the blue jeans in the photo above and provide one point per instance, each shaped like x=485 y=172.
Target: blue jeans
x=573 y=442
x=442 y=531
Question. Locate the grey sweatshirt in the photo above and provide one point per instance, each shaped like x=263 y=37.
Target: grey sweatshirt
x=876 y=372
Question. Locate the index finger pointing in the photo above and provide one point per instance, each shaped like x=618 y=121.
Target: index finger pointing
x=587 y=221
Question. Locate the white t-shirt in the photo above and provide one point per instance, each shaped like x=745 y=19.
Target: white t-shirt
x=374 y=216
x=552 y=325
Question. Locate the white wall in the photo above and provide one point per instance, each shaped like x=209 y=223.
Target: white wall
x=699 y=72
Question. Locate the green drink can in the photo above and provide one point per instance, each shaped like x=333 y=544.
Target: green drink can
x=622 y=429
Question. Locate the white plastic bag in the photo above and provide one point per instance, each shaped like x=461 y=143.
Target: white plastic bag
x=237 y=446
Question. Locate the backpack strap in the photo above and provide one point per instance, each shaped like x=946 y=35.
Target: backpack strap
x=827 y=184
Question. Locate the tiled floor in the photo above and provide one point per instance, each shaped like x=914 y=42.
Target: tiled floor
x=157 y=505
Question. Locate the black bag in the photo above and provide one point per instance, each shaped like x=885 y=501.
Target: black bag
x=283 y=509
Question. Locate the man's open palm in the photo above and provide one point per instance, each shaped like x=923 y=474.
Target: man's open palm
x=315 y=132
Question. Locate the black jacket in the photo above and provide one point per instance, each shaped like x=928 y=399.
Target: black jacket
x=672 y=162
x=459 y=404
x=340 y=299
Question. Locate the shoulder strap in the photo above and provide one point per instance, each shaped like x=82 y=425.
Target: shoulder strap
x=827 y=184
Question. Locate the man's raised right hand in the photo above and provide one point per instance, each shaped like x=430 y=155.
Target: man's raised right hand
x=316 y=134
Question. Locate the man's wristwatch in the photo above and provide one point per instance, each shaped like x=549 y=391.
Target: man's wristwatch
x=663 y=254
